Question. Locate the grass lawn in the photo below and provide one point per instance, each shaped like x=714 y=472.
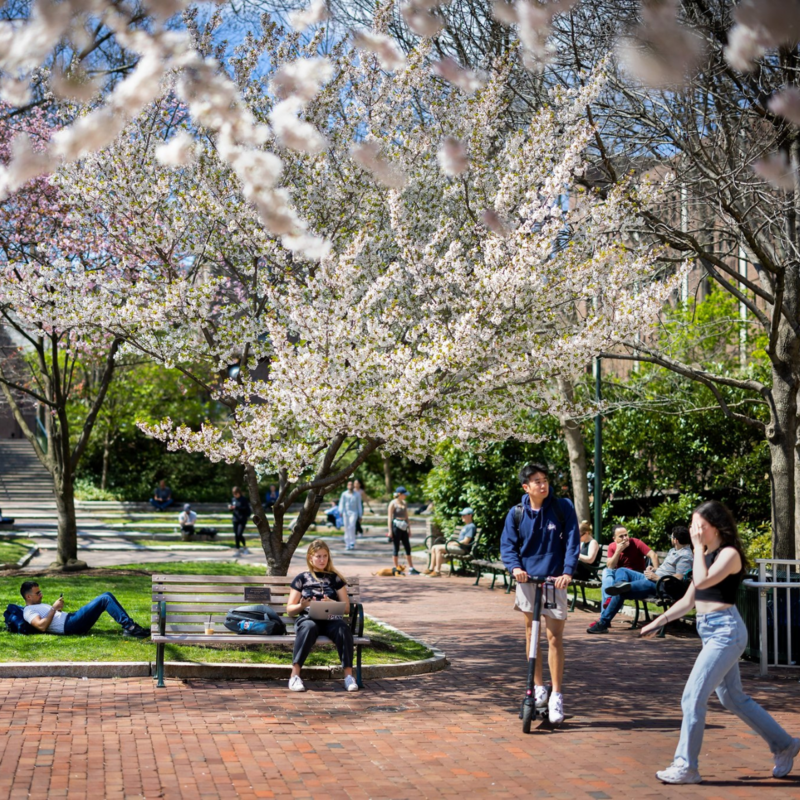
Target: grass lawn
x=14 y=550
x=105 y=642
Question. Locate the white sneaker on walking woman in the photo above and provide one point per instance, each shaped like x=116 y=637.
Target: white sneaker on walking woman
x=350 y=684
x=296 y=684
x=679 y=772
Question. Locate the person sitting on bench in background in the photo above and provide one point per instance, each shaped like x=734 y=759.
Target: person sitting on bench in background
x=461 y=547
x=51 y=619
x=590 y=552
x=640 y=585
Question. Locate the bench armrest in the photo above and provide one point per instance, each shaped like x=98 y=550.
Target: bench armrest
x=433 y=539
x=162 y=617
x=357 y=619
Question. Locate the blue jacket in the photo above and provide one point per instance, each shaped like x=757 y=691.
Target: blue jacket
x=542 y=546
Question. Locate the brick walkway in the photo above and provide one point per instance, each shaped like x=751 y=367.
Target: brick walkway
x=448 y=734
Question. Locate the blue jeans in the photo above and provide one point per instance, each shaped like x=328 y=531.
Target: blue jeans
x=81 y=621
x=717 y=667
x=160 y=505
x=641 y=587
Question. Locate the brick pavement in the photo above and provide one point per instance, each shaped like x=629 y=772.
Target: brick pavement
x=447 y=734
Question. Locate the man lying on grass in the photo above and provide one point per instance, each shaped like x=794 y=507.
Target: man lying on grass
x=51 y=619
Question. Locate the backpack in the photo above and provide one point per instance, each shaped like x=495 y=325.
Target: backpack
x=257 y=620
x=15 y=621
x=671 y=589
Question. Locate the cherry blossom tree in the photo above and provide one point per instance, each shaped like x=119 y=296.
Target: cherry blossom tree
x=449 y=259
x=37 y=231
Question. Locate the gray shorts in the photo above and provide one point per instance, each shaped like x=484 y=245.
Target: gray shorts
x=523 y=601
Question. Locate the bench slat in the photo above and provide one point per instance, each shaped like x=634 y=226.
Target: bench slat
x=199 y=619
x=210 y=608
x=267 y=580
x=233 y=638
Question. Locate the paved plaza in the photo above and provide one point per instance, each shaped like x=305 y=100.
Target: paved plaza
x=447 y=734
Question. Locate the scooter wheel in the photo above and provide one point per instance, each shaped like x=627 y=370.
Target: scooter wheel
x=527 y=717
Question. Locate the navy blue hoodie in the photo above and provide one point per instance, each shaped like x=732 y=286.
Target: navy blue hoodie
x=542 y=546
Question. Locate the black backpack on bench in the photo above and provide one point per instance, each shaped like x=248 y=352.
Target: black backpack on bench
x=257 y=620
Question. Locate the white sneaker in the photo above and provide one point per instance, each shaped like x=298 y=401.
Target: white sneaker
x=555 y=708
x=245 y=551
x=679 y=772
x=350 y=684
x=296 y=684
x=540 y=693
x=784 y=759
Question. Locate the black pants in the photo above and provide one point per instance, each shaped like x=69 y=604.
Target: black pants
x=359 y=529
x=338 y=631
x=188 y=529
x=238 y=531
x=400 y=537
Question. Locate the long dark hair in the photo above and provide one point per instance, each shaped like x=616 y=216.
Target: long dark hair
x=720 y=517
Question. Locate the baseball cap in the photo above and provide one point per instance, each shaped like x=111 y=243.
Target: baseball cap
x=400 y=490
x=467 y=511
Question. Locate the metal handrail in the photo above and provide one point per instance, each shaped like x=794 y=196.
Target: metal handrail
x=765 y=585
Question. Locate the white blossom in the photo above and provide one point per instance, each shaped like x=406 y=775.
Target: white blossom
x=384 y=47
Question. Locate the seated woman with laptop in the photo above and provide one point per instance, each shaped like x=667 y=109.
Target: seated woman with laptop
x=318 y=597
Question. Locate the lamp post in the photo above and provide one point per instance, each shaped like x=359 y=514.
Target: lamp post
x=598 y=453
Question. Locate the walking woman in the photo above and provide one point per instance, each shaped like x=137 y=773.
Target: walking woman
x=719 y=566
x=322 y=581
x=400 y=528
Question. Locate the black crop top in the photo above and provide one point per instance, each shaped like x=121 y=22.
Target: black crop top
x=723 y=592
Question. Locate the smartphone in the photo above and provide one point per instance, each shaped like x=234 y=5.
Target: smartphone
x=61 y=596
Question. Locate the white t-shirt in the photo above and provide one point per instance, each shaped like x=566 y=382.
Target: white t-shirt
x=187 y=518
x=42 y=609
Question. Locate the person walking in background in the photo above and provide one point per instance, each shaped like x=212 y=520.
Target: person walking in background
x=240 y=508
x=400 y=528
x=162 y=497
x=352 y=511
x=358 y=487
x=187 y=519
x=719 y=565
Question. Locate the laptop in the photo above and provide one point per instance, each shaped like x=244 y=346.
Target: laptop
x=323 y=610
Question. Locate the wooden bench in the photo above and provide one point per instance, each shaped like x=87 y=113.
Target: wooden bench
x=183 y=603
x=466 y=559
x=592 y=582
x=495 y=569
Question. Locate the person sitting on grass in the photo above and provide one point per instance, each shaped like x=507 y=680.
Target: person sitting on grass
x=322 y=581
x=162 y=497
x=51 y=619
x=459 y=547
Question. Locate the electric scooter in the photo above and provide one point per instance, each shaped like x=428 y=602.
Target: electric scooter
x=532 y=717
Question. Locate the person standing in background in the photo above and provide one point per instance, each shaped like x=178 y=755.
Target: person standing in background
x=240 y=508
x=352 y=511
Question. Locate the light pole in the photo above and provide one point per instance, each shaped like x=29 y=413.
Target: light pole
x=598 y=453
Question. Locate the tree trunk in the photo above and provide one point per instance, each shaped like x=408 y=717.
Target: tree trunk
x=782 y=437
x=67 y=553
x=387 y=473
x=576 y=448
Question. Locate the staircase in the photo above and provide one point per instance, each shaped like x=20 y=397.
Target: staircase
x=23 y=479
